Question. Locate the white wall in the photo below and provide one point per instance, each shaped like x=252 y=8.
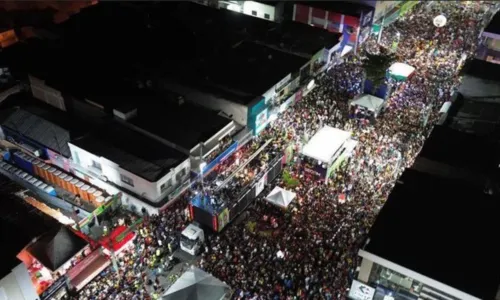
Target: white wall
x=260 y=9
x=112 y=171
x=17 y=285
x=43 y=92
x=238 y=111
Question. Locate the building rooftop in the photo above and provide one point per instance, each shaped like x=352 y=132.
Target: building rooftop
x=481 y=69
x=20 y=224
x=478 y=115
x=494 y=25
x=185 y=125
x=341 y=7
x=40 y=122
x=462 y=150
x=439 y=228
x=217 y=69
x=287 y=36
x=144 y=157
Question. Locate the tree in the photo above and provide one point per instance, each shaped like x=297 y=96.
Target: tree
x=375 y=65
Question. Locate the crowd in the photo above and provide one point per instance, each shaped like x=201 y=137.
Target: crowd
x=309 y=251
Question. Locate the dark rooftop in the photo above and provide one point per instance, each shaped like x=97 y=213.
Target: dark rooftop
x=287 y=36
x=20 y=224
x=439 y=228
x=462 y=150
x=144 y=157
x=494 y=25
x=345 y=8
x=478 y=115
x=218 y=68
x=40 y=122
x=185 y=125
x=481 y=69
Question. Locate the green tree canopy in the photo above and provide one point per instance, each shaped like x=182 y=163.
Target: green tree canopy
x=375 y=65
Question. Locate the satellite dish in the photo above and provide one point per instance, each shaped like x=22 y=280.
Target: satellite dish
x=439 y=21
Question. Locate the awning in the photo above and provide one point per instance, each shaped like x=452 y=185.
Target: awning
x=401 y=71
x=370 y=102
x=196 y=284
x=280 y=197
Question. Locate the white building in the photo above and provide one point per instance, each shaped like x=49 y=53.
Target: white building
x=17 y=285
x=125 y=158
x=268 y=10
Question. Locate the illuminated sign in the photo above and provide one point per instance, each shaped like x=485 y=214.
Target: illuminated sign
x=361 y=291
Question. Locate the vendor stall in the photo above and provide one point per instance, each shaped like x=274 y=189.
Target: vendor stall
x=280 y=197
x=401 y=71
x=367 y=105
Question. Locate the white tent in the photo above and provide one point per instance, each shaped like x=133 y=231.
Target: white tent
x=370 y=102
x=196 y=284
x=280 y=197
x=325 y=143
x=401 y=71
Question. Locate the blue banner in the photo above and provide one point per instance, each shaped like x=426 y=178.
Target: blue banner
x=221 y=157
x=346 y=36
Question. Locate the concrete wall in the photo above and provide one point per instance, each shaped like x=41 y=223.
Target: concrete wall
x=112 y=172
x=237 y=111
x=17 y=285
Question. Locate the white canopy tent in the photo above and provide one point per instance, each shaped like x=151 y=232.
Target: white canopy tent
x=325 y=143
x=369 y=102
x=401 y=71
x=280 y=197
x=196 y=284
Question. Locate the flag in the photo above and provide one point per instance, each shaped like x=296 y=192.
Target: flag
x=346 y=36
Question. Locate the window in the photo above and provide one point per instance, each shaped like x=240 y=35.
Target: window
x=96 y=165
x=254 y=13
x=267 y=16
x=166 y=185
x=126 y=180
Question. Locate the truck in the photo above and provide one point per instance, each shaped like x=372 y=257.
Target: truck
x=192 y=239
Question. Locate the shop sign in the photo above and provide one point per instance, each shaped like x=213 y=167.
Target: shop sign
x=360 y=291
x=223 y=218
x=287 y=103
x=260 y=185
x=261 y=121
x=269 y=95
x=283 y=82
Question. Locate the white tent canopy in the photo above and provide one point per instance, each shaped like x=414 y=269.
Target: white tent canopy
x=401 y=70
x=325 y=143
x=370 y=102
x=280 y=197
x=196 y=284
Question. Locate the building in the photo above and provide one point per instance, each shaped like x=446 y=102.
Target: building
x=20 y=224
x=340 y=17
x=142 y=166
x=475 y=107
x=198 y=130
x=267 y=10
x=451 y=153
x=428 y=242
x=39 y=128
x=489 y=49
